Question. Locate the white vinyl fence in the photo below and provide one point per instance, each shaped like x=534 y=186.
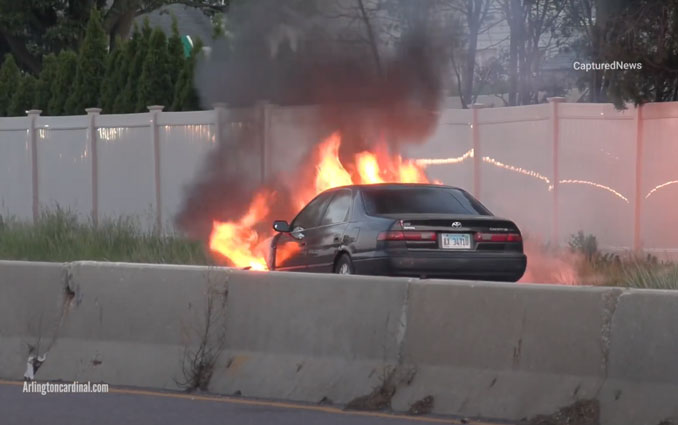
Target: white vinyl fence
x=555 y=168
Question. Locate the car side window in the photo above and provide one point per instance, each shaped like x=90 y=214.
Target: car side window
x=338 y=209
x=310 y=216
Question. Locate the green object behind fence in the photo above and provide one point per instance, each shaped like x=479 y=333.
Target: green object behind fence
x=188 y=44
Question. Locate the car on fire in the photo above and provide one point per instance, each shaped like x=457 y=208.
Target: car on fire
x=415 y=230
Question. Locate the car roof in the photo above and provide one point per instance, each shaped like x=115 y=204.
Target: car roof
x=392 y=186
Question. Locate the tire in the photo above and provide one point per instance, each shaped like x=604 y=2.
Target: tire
x=344 y=265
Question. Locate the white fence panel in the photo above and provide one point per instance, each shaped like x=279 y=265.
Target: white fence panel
x=126 y=174
x=597 y=173
x=183 y=151
x=660 y=177
x=64 y=164
x=451 y=145
x=507 y=158
x=516 y=166
x=16 y=197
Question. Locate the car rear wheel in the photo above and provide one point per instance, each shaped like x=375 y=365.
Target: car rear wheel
x=344 y=265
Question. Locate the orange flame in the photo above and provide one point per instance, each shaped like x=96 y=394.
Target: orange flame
x=368 y=167
x=329 y=171
x=238 y=241
x=380 y=167
x=241 y=244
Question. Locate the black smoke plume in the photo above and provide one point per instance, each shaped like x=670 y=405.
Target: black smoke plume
x=291 y=56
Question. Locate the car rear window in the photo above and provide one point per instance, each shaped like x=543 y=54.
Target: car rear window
x=421 y=200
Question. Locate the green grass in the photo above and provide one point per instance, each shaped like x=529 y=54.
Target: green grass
x=650 y=276
x=630 y=271
x=59 y=236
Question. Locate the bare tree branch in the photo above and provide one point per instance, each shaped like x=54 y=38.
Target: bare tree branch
x=370 y=35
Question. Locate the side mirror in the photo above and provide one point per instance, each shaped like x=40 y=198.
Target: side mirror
x=281 y=226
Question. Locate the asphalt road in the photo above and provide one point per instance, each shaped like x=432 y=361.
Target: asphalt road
x=142 y=407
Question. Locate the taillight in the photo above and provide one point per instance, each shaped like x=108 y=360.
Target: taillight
x=497 y=237
x=398 y=235
x=514 y=237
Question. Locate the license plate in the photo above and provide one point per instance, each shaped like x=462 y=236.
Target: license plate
x=455 y=241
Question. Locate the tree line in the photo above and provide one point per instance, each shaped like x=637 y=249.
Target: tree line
x=518 y=69
x=588 y=31
x=534 y=44
x=31 y=29
x=149 y=68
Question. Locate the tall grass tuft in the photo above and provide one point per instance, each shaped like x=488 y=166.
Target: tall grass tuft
x=649 y=275
x=630 y=271
x=60 y=236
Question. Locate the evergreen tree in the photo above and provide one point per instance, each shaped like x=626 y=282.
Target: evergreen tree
x=126 y=60
x=91 y=67
x=185 y=95
x=9 y=80
x=43 y=88
x=23 y=97
x=67 y=63
x=155 y=84
x=176 y=53
x=39 y=27
x=130 y=95
x=109 y=89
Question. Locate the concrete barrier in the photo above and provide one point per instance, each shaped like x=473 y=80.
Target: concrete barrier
x=296 y=336
x=642 y=381
x=496 y=351
x=504 y=351
x=480 y=349
x=130 y=324
x=307 y=337
x=32 y=300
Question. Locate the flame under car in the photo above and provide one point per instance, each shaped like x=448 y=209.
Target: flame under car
x=415 y=230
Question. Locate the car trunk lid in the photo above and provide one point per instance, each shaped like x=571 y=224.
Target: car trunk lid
x=455 y=232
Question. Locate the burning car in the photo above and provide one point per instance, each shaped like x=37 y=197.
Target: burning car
x=416 y=230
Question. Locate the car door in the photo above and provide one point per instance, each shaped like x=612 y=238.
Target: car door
x=325 y=240
x=291 y=247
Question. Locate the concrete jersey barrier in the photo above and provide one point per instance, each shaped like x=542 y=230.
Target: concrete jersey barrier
x=479 y=349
